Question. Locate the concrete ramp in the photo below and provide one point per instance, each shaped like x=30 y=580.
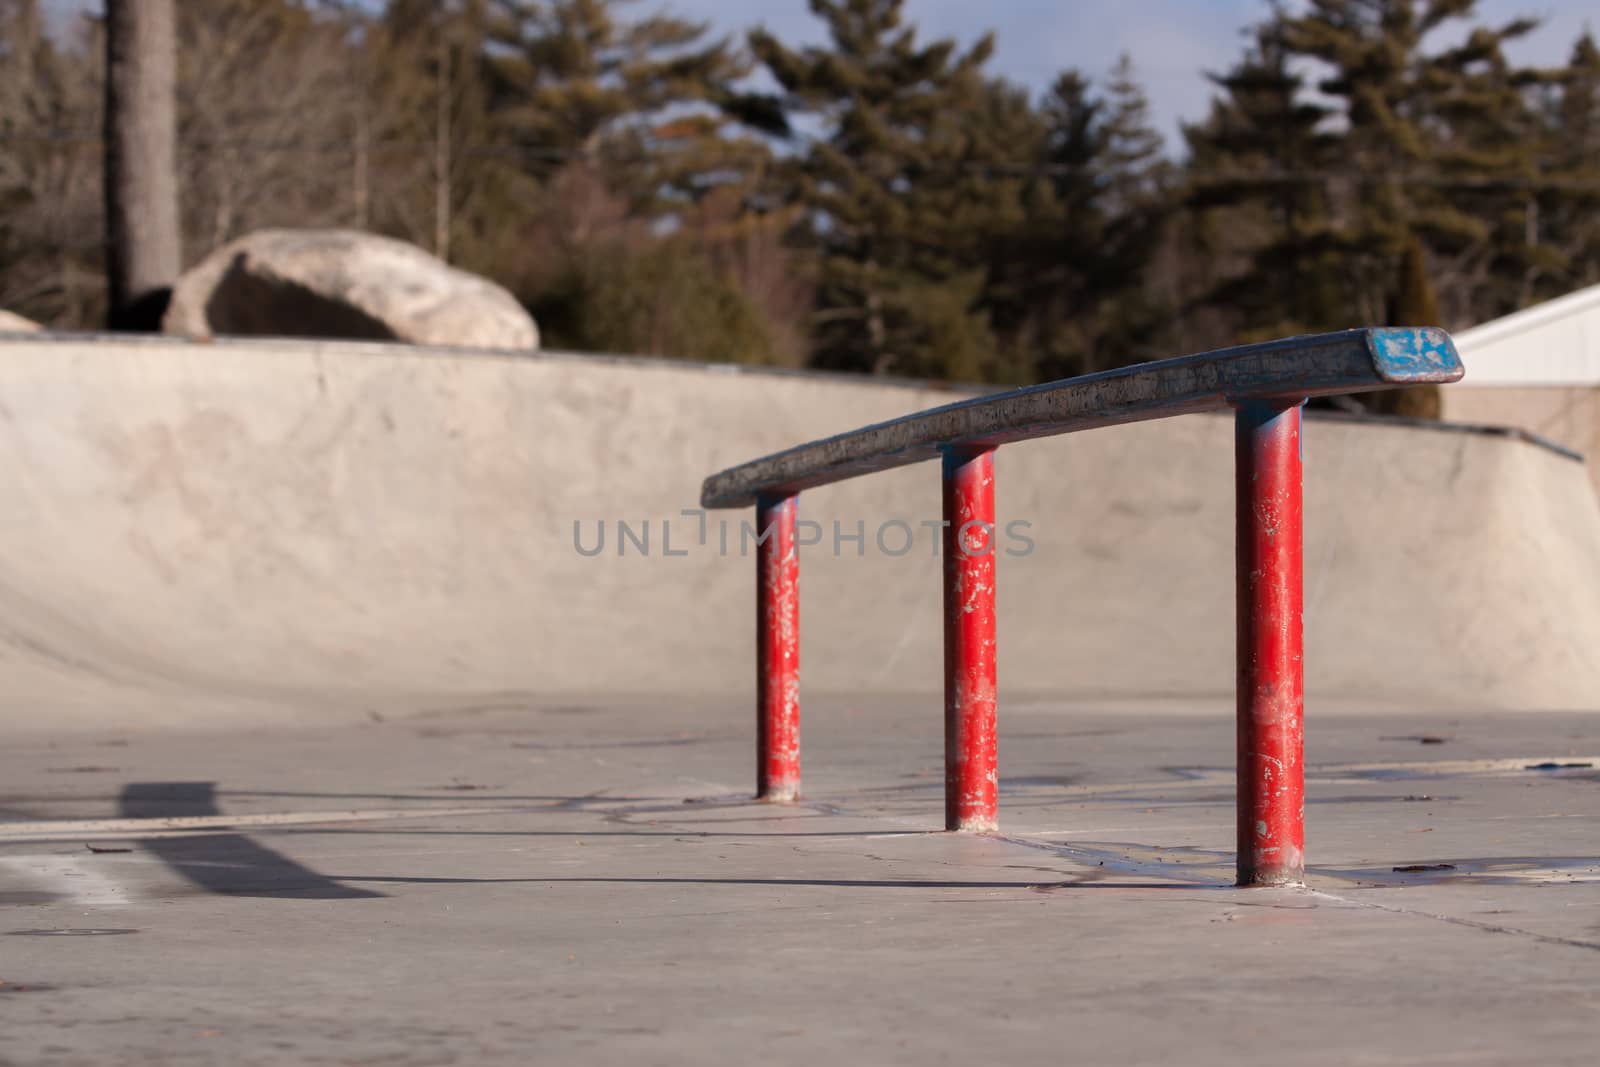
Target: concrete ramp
x=291 y=530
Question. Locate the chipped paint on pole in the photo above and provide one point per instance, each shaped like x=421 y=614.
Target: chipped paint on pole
x=1271 y=689
x=777 y=651
x=971 y=784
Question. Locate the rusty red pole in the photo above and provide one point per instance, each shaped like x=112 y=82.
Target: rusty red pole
x=1271 y=693
x=970 y=773
x=777 y=651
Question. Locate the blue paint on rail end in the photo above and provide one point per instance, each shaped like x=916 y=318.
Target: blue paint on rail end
x=1414 y=354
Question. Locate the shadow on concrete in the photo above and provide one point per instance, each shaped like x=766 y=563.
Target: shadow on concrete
x=453 y=794
x=584 y=835
x=456 y=793
x=227 y=863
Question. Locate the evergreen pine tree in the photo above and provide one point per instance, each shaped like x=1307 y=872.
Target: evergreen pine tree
x=1426 y=156
x=1433 y=138
x=881 y=183
x=1093 y=223
x=1414 y=304
x=1266 y=227
x=1569 y=205
x=577 y=79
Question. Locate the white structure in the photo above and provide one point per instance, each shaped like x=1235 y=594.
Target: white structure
x=1556 y=343
x=1538 y=370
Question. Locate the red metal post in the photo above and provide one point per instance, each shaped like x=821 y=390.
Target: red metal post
x=1271 y=693
x=777 y=651
x=971 y=777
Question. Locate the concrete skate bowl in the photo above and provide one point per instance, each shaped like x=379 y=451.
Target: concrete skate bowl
x=259 y=531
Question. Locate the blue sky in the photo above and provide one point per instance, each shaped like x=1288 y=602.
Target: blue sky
x=1173 y=42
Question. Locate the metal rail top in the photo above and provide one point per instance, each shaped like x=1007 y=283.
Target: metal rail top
x=1351 y=361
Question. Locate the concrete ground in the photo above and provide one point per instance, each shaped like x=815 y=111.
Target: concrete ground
x=591 y=883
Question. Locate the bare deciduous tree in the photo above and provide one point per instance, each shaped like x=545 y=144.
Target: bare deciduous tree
x=267 y=119
x=51 y=231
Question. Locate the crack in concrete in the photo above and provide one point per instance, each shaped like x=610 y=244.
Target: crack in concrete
x=1097 y=860
x=1471 y=924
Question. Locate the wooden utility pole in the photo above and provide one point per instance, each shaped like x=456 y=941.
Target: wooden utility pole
x=442 y=163
x=141 y=184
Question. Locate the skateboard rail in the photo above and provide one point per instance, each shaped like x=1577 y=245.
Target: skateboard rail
x=1265 y=385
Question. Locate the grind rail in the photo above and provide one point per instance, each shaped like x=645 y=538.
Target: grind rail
x=1265 y=384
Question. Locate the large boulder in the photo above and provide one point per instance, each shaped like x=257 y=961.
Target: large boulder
x=343 y=283
x=11 y=322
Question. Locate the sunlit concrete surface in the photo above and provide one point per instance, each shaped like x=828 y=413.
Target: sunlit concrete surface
x=255 y=531
x=591 y=883
x=321 y=743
